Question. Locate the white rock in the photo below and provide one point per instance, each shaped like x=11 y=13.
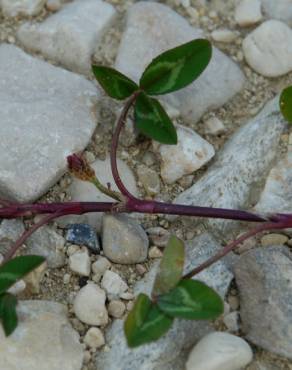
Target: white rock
x=116 y=308
x=101 y=265
x=124 y=240
x=79 y=263
x=18 y=287
x=190 y=154
x=34 y=278
x=268 y=49
x=231 y=320
x=244 y=156
x=223 y=35
x=214 y=126
x=45 y=108
x=280 y=9
x=89 y=305
x=13 y=8
x=153 y=28
x=248 y=12
x=94 y=338
x=44 y=339
x=48 y=243
x=84 y=191
x=53 y=5
x=276 y=195
x=113 y=284
x=219 y=351
x=70 y=36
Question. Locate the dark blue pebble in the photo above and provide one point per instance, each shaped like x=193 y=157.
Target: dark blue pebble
x=83 y=234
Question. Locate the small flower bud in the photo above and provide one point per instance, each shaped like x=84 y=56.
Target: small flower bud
x=80 y=168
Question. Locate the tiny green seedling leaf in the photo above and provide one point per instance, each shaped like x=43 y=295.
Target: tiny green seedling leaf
x=170 y=268
x=16 y=268
x=145 y=323
x=193 y=300
x=115 y=84
x=176 y=68
x=152 y=120
x=286 y=103
x=8 y=314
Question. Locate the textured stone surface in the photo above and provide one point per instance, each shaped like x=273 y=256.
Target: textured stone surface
x=280 y=9
x=79 y=263
x=13 y=8
x=85 y=192
x=70 y=36
x=44 y=339
x=153 y=28
x=268 y=49
x=124 y=240
x=10 y=231
x=113 y=284
x=83 y=234
x=170 y=352
x=264 y=279
x=240 y=166
x=46 y=113
x=49 y=244
x=219 y=351
x=277 y=196
x=190 y=154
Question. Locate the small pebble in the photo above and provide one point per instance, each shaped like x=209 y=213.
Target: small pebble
x=223 y=35
x=79 y=263
x=158 y=236
x=273 y=239
x=231 y=320
x=116 y=308
x=155 y=252
x=248 y=12
x=214 y=126
x=233 y=301
x=66 y=278
x=141 y=269
x=83 y=234
x=101 y=265
x=113 y=284
x=17 y=288
x=94 y=338
x=53 y=5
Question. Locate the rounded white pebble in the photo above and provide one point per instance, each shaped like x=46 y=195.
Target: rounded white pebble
x=248 y=12
x=79 y=263
x=219 y=351
x=223 y=35
x=113 y=284
x=89 y=305
x=116 y=309
x=53 y=5
x=94 y=338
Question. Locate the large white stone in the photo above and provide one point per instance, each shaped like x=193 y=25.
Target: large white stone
x=70 y=36
x=219 y=351
x=13 y=8
x=240 y=167
x=46 y=113
x=190 y=154
x=279 y=9
x=268 y=49
x=44 y=339
x=86 y=192
x=153 y=28
x=89 y=305
x=248 y=12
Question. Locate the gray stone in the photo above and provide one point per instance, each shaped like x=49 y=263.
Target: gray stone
x=46 y=114
x=13 y=8
x=191 y=153
x=43 y=339
x=280 y=9
x=268 y=49
x=220 y=351
x=83 y=234
x=240 y=166
x=70 y=36
x=264 y=280
x=171 y=351
x=10 y=231
x=149 y=179
x=79 y=262
x=49 y=244
x=153 y=28
x=276 y=195
x=85 y=192
x=124 y=240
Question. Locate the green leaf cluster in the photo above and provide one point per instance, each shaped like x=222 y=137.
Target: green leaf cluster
x=173 y=297
x=170 y=71
x=286 y=103
x=10 y=272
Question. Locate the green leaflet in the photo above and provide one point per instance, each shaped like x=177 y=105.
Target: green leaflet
x=16 y=268
x=171 y=267
x=191 y=299
x=145 y=323
x=286 y=103
x=152 y=120
x=176 y=68
x=115 y=84
x=8 y=312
